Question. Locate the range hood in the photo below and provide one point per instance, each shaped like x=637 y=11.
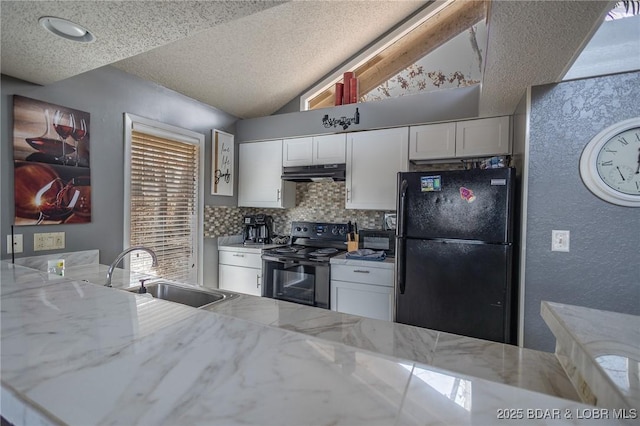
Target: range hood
x=317 y=173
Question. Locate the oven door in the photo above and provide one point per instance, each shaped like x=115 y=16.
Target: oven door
x=296 y=281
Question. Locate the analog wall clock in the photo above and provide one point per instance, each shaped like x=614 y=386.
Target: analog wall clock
x=610 y=163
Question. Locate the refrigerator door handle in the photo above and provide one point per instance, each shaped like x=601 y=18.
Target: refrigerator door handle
x=400 y=234
x=400 y=267
x=402 y=203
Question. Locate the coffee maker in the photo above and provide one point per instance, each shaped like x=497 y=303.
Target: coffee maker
x=257 y=229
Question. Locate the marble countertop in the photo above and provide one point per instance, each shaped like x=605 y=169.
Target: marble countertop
x=508 y=364
x=79 y=353
x=600 y=351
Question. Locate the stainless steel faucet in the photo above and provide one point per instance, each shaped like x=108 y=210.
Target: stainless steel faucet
x=123 y=254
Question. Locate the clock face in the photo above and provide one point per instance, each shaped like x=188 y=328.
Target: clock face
x=610 y=164
x=618 y=162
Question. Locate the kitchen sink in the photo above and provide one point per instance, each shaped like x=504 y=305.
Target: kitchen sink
x=195 y=297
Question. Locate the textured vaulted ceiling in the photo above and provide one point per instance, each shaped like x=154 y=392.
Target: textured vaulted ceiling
x=531 y=43
x=250 y=58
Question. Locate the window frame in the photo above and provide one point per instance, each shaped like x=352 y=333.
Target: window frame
x=371 y=51
x=155 y=128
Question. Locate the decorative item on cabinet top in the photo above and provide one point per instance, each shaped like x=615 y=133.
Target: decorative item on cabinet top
x=344 y=122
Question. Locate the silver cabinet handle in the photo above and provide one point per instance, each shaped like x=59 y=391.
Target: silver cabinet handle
x=238 y=255
x=348 y=191
x=258 y=281
x=361 y=271
x=278 y=199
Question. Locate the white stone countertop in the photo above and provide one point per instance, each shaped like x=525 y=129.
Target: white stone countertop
x=341 y=259
x=600 y=350
x=77 y=353
x=508 y=364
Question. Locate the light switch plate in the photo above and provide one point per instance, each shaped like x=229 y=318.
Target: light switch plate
x=48 y=241
x=559 y=240
x=17 y=244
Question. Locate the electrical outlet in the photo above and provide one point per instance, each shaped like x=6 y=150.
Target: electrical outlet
x=58 y=240
x=39 y=242
x=559 y=240
x=17 y=244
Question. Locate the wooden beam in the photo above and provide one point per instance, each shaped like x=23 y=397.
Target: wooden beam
x=450 y=21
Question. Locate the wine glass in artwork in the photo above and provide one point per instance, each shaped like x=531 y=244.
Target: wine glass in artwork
x=78 y=134
x=56 y=204
x=49 y=149
x=63 y=123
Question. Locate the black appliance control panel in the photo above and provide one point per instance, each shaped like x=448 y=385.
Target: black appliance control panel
x=320 y=231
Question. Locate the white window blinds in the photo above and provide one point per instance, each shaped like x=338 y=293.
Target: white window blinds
x=164 y=204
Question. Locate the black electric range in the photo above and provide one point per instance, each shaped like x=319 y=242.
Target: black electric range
x=300 y=272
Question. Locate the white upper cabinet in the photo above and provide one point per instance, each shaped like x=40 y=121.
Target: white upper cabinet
x=329 y=149
x=432 y=141
x=307 y=151
x=297 y=152
x=484 y=137
x=374 y=159
x=259 y=176
x=471 y=138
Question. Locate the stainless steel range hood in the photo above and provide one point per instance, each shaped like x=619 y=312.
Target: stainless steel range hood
x=317 y=173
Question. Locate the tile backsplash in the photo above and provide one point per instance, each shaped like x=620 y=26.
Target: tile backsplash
x=315 y=202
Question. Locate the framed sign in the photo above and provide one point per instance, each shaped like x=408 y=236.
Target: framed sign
x=222 y=158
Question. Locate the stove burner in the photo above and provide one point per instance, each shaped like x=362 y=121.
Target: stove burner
x=324 y=251
x=285 y=250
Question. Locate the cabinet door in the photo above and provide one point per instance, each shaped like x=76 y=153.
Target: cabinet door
x=259 y=176
x=240 y=279
x=374 y=159
x=483 y=137
x=432 y=141
x=329 y=149
x=366 y=300
x=297 y=152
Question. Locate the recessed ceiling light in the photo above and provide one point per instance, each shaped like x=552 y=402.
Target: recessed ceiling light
x=66 y=29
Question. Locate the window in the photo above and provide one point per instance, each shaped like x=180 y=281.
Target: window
x=429 y=51
x=163 y=197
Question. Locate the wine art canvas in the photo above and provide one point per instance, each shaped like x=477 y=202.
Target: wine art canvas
x=52 y=174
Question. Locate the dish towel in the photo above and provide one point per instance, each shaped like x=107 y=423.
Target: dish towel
x=366 y=254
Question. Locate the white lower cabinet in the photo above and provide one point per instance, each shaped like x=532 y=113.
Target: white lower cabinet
x=362 y=290
x=240 y=272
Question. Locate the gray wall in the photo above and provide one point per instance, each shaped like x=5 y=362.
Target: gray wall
x=602 y=270
x=442 y=105
x=105 y=93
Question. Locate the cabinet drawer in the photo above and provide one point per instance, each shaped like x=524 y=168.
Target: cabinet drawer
x=236 y=258
x=362 y=274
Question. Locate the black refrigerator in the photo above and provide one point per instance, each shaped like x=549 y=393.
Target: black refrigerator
x=454 y=252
